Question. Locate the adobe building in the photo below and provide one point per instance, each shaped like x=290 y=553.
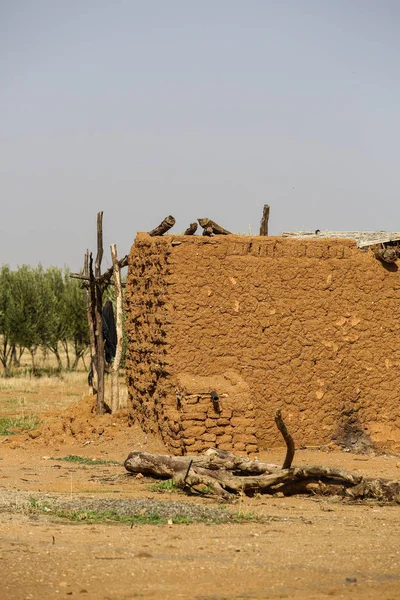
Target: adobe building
x=223 y=330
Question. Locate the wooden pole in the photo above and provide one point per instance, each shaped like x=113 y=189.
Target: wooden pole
x=264 y=220
x=92 y=290
x=91 y=324
x=99 y=318
x=118 y=354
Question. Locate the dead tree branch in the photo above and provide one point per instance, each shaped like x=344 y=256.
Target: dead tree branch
x=212 y=227
x=191 y=230
x=228 y=475
x=106 y=277
x=163 y=227
x=288 y=440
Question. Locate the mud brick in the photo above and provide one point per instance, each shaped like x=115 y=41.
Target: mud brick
x=223 y=421
x=174 y=426
x=241 y=446
x=196 y=447
x=224 y=446
x=191 y=400
x=174 y=443
x=189 y=441
x=209 y=437
x=193 y=431
x=193 y=412
x=251 y=430
x=252 y=448
x=224 y=439
x=240 y=429
x=246 y=439
x=241 y=421
x=211 y=414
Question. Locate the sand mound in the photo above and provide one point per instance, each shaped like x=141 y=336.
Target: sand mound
x=81 y=423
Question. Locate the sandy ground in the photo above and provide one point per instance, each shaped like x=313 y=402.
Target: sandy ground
x=305 y=548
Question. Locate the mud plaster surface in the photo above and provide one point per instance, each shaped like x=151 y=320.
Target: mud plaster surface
x=310 y=326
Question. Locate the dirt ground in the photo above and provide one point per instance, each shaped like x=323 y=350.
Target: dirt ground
x=298 y=547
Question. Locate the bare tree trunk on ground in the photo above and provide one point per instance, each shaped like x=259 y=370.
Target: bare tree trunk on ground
x=228 y=475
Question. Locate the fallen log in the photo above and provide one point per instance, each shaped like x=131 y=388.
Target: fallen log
x=163 y=227
x=210 y=227
x=378 y=489
x=228 y=475
x=163 y=465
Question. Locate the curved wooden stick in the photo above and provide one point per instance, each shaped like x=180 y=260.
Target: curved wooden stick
x=288 y=439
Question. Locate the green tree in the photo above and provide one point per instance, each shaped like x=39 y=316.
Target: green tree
x=6 y=345
x=26 y=318
x=43 y=308
x=54 y=326
x=75 y=317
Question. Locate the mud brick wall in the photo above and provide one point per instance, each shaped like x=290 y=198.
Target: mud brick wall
x=311 y=326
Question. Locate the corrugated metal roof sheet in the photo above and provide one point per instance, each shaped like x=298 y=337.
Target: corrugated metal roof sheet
x=363 y=238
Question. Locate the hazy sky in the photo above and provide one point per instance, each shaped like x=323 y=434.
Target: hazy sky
x=144 y=108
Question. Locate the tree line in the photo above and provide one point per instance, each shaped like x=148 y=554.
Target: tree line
x=41 y=308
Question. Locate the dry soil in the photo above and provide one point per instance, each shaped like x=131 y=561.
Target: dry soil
x=302 y=548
